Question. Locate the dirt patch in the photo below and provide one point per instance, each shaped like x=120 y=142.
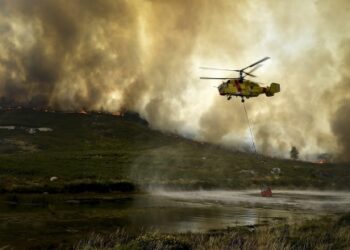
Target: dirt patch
x=15 y=146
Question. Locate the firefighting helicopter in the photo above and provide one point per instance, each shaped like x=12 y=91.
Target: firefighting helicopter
x=240 y=87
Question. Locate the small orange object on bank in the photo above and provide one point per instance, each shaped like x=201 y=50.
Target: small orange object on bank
x=266 y=192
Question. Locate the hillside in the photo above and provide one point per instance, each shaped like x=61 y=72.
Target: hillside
x=102 y=152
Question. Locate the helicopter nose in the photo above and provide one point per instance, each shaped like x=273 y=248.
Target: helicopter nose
x=221 y=92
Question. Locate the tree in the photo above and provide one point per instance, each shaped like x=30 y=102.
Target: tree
x=294 y=153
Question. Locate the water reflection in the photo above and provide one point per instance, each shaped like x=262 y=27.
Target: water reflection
x=39 y=216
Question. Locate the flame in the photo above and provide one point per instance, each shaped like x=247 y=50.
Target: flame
x=118 y=113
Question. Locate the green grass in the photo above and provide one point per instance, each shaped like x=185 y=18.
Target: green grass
x=101 y=148
x=324 y=233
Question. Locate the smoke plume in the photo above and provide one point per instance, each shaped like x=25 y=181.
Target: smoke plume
x=144 y=56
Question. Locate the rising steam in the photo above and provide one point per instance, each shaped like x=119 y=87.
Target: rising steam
x=144 y=55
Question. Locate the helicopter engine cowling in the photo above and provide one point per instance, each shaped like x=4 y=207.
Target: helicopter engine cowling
x=272 y=89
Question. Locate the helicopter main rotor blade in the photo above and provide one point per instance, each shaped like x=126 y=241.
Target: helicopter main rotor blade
x=218 y=78
x=248 y=74
x=240 y=71
x=254 y=69
x=260 y=61
x=209 y=68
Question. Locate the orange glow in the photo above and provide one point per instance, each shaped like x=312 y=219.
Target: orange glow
x=118 y=113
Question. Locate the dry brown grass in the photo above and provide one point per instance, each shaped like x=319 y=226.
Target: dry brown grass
x=323 y=233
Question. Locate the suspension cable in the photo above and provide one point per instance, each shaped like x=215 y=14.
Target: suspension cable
x=250 y=129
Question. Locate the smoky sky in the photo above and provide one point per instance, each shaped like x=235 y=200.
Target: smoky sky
x=144 y=56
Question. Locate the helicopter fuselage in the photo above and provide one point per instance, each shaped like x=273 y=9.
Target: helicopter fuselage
x=245 y=88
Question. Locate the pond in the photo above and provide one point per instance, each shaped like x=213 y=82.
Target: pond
x=33 y=219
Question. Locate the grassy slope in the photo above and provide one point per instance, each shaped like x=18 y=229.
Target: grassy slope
x=106 y=149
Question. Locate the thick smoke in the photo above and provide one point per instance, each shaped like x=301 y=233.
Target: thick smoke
x=144 y=55
x=67 y=54
x=341 y=115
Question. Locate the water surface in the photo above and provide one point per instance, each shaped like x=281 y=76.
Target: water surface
x=25 y=219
